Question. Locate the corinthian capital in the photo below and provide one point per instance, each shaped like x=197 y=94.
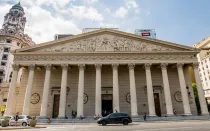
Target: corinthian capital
x=195 y=65
x=98 y=66
x=180 y=65
x=131 y=66
x=115 y=66
x=48 y=66
x=81 y=66
x=65 y=66
x=16 y=67
x=147 y=65
x=164 y=65
x=31 y=67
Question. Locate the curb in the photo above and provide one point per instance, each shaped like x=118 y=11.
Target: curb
x=18 y=128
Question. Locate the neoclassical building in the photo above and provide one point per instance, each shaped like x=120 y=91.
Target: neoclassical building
x=105 y=70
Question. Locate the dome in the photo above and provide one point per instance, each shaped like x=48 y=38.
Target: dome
x=17 y=6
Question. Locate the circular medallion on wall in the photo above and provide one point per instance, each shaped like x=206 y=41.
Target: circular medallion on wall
x=128 y=98
x=85 y=96
x=35 y=98
x=178 y=96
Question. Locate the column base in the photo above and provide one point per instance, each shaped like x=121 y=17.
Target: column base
x=205 y=114
x=169 y=115
x=43 y=117
x=153 y=115
x=135 y=116
x=188 y=114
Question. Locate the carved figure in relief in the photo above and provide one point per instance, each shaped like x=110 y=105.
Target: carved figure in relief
x=100 y=43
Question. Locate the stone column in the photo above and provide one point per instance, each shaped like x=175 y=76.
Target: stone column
x=62 y=103
x=204 y=109
x=98 y=90
x=116 y=103
x=184 y=93
x=167 y=91
x=150 y=94
x=27 y=100
x=12 y=87
x=134 y=111
x=44 y=105
x=80 y=99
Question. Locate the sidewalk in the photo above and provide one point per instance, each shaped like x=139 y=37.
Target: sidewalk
x=20 y=127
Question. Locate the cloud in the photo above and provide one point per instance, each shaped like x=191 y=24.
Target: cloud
x=82 y=12
x=121 y=12
x=90 y=1
x=131 y=4
x=109 y=25
x=44 y=26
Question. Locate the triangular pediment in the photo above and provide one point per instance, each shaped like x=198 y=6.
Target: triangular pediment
x=107 y=41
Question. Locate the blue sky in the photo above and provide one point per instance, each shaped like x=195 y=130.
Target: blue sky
x=180 y=21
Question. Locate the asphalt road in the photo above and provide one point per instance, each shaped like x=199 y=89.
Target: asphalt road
x=143 y=126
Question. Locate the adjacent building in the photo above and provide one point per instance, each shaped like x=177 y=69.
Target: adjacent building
x=105 y=70
x=12 y=37
x=204 y=65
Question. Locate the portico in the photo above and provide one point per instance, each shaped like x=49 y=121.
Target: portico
x=133 y=67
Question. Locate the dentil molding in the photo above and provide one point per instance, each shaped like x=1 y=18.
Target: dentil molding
x=101 y=57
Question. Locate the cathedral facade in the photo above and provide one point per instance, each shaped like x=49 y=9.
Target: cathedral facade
x=105 y=71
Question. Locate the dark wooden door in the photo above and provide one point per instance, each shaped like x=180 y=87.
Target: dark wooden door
x=56 y=106
x=157 y=104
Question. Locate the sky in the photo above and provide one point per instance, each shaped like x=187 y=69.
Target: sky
x=184 y=22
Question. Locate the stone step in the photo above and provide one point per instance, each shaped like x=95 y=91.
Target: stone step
x=135 y=119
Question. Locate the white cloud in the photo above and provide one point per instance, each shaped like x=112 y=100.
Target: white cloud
x=82 y=12
x=121 y=12
x=4 y=9
x=108 y=25
x=131 y=4
x=90 y=1
x=43 y=26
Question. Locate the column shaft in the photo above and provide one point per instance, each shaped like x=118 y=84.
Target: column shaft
x=44 y=105
x=80 y=99
x=184 y=93
x=62 y=103
x=116 y=103
x=204 y=109
x=12 y=87
x=98 y=90
x=150 y=94
x=27 y=100
x=167 y=91
x=134 y=110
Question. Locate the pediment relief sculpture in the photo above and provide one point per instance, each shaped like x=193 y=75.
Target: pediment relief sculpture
x=106 y=43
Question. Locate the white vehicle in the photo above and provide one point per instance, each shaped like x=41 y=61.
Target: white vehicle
x=23 y=120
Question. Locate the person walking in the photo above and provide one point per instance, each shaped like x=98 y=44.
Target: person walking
x=145 y=117
x=16 y=118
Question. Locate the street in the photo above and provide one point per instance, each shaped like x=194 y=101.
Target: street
x=143 y=126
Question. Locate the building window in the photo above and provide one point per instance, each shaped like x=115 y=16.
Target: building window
x=18 y=44
x=3 y=63
x=5 y=100
x=4 y=57
x=1 y=72
x=1 y=80
x=9 y=80
x=9 y=41
x=6 y=49
x=10 y=74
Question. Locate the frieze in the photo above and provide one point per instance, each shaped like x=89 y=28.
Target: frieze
x=106 y=43
x=107 y=57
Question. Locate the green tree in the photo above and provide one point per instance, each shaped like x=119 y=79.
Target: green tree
x=196 y=98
